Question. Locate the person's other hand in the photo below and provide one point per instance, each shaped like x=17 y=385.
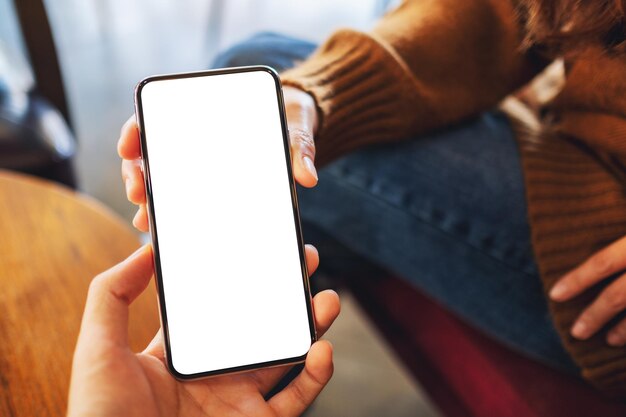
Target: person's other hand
x=108 y=379
x=611 y=301
x=302 y=119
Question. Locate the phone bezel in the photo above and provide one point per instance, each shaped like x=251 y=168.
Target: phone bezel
x=153 y=228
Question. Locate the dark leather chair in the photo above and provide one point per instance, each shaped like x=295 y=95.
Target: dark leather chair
x=35 y=133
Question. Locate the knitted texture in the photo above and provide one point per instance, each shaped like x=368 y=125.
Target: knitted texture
x=432 y=63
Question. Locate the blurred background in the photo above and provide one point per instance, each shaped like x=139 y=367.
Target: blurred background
x=104 y=47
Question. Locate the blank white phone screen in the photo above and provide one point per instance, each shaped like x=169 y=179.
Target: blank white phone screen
x=231 y=272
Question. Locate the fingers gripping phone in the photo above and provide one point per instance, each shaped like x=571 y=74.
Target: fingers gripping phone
x=229 y=258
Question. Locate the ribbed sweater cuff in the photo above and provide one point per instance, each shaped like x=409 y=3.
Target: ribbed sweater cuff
x=362 y=93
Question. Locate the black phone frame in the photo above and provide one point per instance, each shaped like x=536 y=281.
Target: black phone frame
x=153 y=227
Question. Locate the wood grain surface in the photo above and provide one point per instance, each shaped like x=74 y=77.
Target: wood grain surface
x=53 y=241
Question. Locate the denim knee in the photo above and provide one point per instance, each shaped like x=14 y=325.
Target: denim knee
x=265 y=48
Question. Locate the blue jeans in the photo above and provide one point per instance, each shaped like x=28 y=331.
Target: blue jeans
x=445 y=211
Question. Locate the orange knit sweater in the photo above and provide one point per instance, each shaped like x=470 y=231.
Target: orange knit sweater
x=432 y=63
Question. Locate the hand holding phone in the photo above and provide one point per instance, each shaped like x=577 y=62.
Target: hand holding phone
x=246 y=388
x=303 y=122
x=109 y=379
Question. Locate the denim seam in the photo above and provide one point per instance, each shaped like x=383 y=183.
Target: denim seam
x=417 y=216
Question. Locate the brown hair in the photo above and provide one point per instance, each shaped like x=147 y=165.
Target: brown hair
x=561 y=26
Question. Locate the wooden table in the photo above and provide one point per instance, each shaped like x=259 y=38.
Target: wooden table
x=52 y=242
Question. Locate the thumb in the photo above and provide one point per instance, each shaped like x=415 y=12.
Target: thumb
x=302 y=119
x=110 y=294
x=303 y=156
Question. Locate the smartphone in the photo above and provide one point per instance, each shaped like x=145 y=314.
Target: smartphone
x=228 y=251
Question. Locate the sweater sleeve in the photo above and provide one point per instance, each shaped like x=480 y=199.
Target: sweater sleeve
x=427 y=64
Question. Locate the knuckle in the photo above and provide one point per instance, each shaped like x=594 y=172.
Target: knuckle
x=124 y=168
x=587 y=316
x=300 y=395
x=619 y=330
x=614 y=299
x=132 y=194
x=97 y=284
x=576 y=280
x=303 y=139
x=137 y=194
x=602 y=263
x=131 y=170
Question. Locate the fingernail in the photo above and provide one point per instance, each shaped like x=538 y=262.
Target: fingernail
x=558 y=290
x=614 y=339
x=330 y=290
x=136 y=218
x=579 y=330
x=308 y=163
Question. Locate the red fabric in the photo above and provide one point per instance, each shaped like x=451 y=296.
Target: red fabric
x=466 y=373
